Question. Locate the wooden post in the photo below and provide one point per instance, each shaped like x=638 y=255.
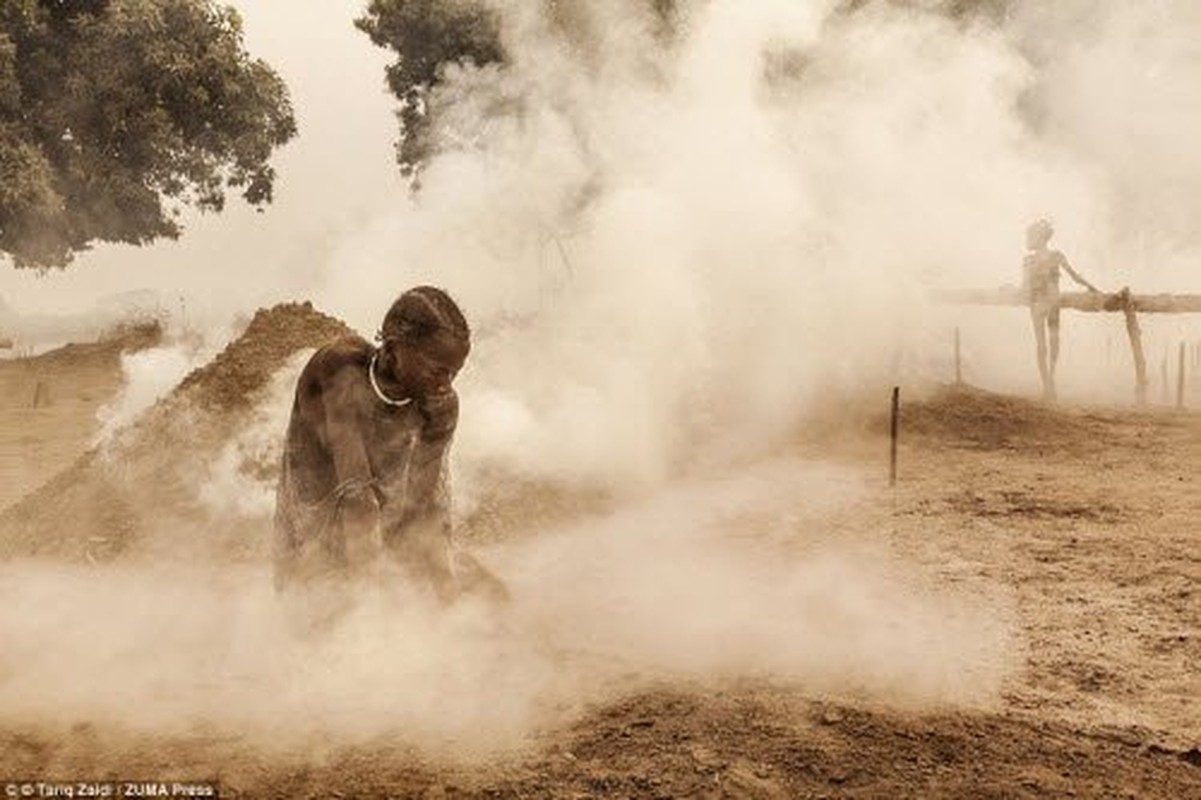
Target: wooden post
x=958 y=361
x=1180 y=378
x=894 y=426
x=1136 y=346
x=1163 y=379
x=1130 y=304
x=41 y=396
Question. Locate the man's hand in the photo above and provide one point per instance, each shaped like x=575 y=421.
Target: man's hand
x=441 y=412
x=358 y=502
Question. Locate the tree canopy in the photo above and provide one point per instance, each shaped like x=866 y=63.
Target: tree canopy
x=427 y=35
x=117 y=114
x=430 y=35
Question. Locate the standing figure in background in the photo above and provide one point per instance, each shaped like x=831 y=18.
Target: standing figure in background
x=364 y=470
x=1040 y=285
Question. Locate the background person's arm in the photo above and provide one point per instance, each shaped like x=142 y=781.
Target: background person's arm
x=1076 y=276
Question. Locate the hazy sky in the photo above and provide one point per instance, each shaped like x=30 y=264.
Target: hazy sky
x=341 y=165
x=338 y=179
x=725 y=217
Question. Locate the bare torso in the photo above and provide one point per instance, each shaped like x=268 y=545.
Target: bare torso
x=1041 y=272
x=352 y=461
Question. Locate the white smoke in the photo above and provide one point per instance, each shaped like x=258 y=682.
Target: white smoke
x=672 y=244
x=670 y=252
x=719 y=577
x=148 y=375
x=240 y=481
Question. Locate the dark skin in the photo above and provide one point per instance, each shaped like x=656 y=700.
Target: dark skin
x=382 y=464
x=423 y=372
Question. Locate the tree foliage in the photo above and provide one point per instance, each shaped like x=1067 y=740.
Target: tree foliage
x=430 y=35
x=427 y=35
x=968 y=10
x=115 y=114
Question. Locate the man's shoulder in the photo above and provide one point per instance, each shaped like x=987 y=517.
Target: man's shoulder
x=351 y=346
x=340 y=354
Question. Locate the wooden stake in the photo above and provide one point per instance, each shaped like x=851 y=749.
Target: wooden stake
x=1136 y=346
x=958 y=361
x=1180 y=378
x=894 y=426
x=1163 y=379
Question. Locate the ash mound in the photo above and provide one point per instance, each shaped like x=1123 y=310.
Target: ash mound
x=140 y=492
x=235 y=377
x=967 y=417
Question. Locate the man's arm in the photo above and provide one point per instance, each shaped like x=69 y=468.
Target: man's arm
x=1076 y=276
x=333 y=398
x=431 y=454
x=421 y=537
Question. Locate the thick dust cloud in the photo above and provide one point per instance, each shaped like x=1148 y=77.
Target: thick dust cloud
x=669 y=589
x=670 y=251
x=148 y=375
x=691 y=239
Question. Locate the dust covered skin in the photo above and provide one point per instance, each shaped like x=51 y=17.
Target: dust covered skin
x=351 y=459
x=1079 y=522
x=366 y=456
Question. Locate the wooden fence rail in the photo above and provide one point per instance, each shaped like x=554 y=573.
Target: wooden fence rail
x=1125 y=302
x=1081 y=301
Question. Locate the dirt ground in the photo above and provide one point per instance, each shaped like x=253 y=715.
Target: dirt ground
x=1086 y=517
x=48 y=411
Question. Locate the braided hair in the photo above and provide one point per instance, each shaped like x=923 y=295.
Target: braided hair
x=423 y=312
